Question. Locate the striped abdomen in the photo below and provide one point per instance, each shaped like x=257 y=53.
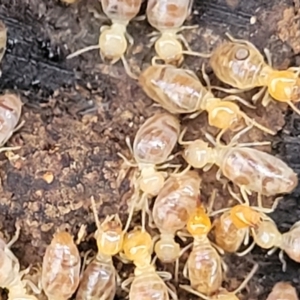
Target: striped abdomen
x=167 y=14
x=239 y=65
x=176 y=201
x=291 y=242
x=148 y=286
x=156 y=139
x=204 y=268
x=98 y=282
x=121 y=10
x=177 y=90
x=258 y=171
x=227 y=235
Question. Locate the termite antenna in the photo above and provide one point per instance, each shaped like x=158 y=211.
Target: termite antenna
x=95 y=212
x=257 y=125
x=83 y=50
x=246 y=280
x=293 y=107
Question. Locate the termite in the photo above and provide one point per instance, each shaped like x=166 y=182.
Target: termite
x=267 y=236
x=10 y=275
x=99 y=278
x=3 y=39
x=223 y=294
x=10 y=113
x=61 y=267
x=232 y=228
x=283 y=290
x=180 y=91
x=252 y=170
x=113 y=40
x=172 y=207
x=168 y=16
x=204 y=265
x=240 y=64
x=152 y=148
x=147 y=282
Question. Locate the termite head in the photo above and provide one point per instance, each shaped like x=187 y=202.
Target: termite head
x=151 y=181
x=166 y=249
x=169 y=49
x=137 y=246
x=63 y=245
x=112 y=42
x=197 y=154
x=284 y=86
x=62 y=238
x=110 y=236
x=266 y=235
x=223 y=114
x=243 y=216
x=199 y=223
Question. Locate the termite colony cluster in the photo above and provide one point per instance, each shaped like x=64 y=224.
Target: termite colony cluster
x=169 y=197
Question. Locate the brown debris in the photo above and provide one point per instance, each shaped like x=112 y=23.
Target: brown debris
x=289 y=29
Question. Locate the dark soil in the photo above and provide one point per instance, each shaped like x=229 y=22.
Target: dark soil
x=78 y=112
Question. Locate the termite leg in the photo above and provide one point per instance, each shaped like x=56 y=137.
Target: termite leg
x=246 y=251
x=281 y=258
x=165 y=275
x=127 y=68
x=261 y=93
x=192 y=291
x=185 y=271
x=293 y=107
x=125 y=283
x=172 y=293
x=15 y=237
x=239 y=99
x=246 y=280
x=256 y=124
x=268 y=56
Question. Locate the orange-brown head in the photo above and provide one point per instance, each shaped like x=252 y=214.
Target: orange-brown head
x=62 y=238
x=223 y=114
x=137 y=245
x=284 y=86
x=244 y=216
x=199 y=223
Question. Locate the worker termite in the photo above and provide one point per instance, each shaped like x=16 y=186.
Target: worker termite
x=175 y=202
x=147 y=282
x=283 y=290
x=223 y=294
x=10 y=275
x=152 y=147
x=61 y=267
x=232 y=228
x=204 y=265
x=99 y=278
x=250 y=169
x=10 y=112
x=180 y=91
x=3 y=39
x=113 y=40
x=240 y=64
x=168 y=16
x=267 y=236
